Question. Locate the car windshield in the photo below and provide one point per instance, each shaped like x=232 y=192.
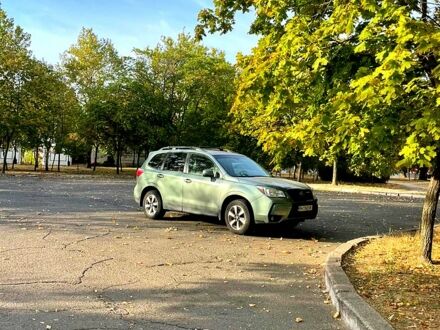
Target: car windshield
x=237 y=165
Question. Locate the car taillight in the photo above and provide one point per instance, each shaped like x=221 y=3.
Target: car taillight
x=139 y=172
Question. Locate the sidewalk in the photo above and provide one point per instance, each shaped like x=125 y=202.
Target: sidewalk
x=394 y=187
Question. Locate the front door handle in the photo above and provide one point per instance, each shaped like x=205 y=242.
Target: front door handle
x=160 y=175
x=188 y=180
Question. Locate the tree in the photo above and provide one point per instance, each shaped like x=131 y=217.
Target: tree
x=359 y=78
x=89 y=66
x=14 y=75
x=50 y=109
x=190 y=88
x=149 y=119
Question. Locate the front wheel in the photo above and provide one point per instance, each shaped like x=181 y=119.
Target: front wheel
x=153 y=205
x=238 y=217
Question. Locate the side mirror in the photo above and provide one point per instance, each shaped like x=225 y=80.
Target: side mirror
x=208 y=173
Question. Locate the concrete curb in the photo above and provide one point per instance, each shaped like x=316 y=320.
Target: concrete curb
x=353 y=309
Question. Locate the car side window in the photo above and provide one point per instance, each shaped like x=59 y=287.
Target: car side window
x=156 y=161
x=175 y=162
x=198 y=163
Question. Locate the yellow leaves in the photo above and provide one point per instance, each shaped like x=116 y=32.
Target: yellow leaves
x=417 y=151
x=320 y=61
x=370 y=5
x=363 y=132
x=381 y=55
x=360 y=48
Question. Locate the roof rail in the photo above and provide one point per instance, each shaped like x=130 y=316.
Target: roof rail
x=193 y=148
x=216 y=148
x=179 y=147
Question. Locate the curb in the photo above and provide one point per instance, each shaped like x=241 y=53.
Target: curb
x=353 y=309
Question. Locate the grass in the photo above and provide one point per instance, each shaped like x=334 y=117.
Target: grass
x=390 y=275
x=73 y=170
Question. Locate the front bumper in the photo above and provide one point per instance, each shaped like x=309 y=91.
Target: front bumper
x=267 y=210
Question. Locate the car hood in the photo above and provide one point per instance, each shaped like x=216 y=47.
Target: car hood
x=274 y=182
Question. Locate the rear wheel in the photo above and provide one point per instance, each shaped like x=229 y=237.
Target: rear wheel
x=153 y=205
x=238 y=218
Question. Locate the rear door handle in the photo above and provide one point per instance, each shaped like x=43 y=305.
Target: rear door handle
x=160 y=175
x=188 y=180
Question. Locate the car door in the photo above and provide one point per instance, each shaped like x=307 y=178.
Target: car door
x=170 y=181
x=200 y=194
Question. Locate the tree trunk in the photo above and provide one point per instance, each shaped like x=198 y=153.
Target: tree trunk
x=59 y=161
x=37 y=154
x=299 y=171
x=117 y=159
x=424 y=9
x=335 y=173
x=120 y=160
x=53 y=162
x=46 y=159
x=88 y=159
x=14 y=159
x=5 y=155
x=96 y=158
x=429 y=212
x=423 y=173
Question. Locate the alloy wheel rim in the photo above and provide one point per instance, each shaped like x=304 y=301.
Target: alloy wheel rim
x=236 y=217
x=151 y=205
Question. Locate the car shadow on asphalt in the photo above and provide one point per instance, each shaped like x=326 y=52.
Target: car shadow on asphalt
x=276 y=230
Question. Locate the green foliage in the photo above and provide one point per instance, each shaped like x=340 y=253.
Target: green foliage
x=176 y=93
x=192 y=87
x=15 y=62
x=179 y=92
x=354 y=78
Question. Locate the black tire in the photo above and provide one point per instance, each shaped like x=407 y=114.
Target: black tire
x=238 y=217
x=152 y=205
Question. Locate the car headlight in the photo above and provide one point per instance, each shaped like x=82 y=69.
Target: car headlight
x=272 y=192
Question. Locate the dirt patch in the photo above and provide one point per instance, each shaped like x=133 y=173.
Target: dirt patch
x=389 y=274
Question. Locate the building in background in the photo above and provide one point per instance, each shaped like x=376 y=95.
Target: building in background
x=128 y=158
x=65 y=160
x=13 y=152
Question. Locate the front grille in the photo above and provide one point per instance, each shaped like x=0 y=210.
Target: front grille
x=300 y=195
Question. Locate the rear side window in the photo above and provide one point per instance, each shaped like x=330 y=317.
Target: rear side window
x=156 y=161
x=175 y=162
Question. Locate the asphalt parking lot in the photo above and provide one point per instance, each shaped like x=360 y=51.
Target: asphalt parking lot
x=77 y=253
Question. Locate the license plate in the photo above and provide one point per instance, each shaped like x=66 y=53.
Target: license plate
x=305 y=208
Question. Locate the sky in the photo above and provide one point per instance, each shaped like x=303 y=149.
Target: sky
x=54 y=25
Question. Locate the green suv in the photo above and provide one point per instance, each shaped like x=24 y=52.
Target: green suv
x=219 y=183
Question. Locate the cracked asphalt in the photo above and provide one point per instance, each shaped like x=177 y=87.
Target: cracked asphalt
x=77 y=253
